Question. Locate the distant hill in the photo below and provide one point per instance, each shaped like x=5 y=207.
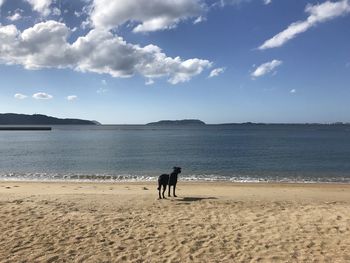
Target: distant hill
x=178 y=122
x=38 y=119
x=245 y=123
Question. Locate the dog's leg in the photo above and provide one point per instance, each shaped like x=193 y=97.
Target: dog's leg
x=159 y=188
x=174 y=190
x=164 y=188
x=169 y=191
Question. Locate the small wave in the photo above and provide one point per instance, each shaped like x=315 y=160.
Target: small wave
x=73 y=177
x=82 y=177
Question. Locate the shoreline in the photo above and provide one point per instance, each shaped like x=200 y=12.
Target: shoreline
x=186 y=181
x=179 y=184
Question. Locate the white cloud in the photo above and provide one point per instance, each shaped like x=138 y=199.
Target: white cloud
x=149 y=82
x=78 y=14
x=104 y=82
x=2 y=2
x=267 y=2
x=72 y=97
x=151 y=15
x=101 y=90
x=223 y=3
x=293 y=91
x=185 y=70
x=45 y=45
x=266 y=68
x=42 y=46
x=216 y=72
x=101 y=52
x=199 y=19
x=56 y=11
x=41 y=6
x=42 y=96
x=317 y=14
x=20 y=96
x=16 y=16
x=85 y=24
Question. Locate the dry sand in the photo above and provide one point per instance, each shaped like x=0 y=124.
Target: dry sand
x=208 y=222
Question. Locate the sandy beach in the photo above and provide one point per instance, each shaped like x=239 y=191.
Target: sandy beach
x=207 y=222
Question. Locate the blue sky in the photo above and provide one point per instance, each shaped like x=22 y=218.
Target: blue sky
x=140 y=61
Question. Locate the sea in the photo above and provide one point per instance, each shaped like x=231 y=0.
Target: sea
x=237 y=153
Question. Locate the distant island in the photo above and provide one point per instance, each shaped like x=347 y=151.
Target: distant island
x=202 y=123
x=39 y=119
x=262 y=123
x=178 y=122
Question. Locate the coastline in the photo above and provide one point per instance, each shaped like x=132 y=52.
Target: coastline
x=153 y=182
x=128 y=178
x=207 y=222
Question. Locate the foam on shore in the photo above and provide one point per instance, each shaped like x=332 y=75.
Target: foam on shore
x=84 y=177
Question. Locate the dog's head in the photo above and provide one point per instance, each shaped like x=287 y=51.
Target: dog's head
x=177 y=169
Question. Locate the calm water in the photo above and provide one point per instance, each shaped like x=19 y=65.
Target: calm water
x=237 y=152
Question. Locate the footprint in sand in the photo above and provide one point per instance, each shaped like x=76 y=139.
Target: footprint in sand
x=8 y=187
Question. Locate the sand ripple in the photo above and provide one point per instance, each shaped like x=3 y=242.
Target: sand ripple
x=138 y=228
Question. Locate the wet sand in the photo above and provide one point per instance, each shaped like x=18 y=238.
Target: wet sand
x=207 y=222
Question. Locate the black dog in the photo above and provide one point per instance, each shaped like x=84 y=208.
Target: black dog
x=171 y=180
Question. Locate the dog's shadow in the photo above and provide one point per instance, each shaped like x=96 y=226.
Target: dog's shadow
x=194 y=199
